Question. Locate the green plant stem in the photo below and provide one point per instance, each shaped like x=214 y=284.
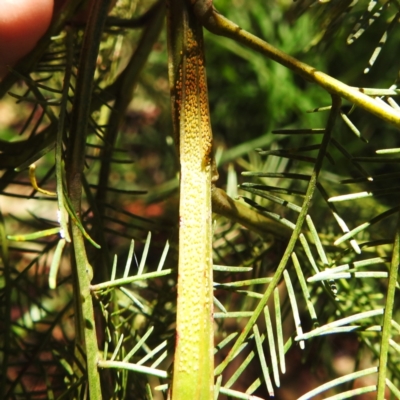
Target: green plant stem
x=194 y=361
x=223 y=205
x=387 y=318
x=75 y=164
x=219 y=25
x=63 y=216
x=336 y=103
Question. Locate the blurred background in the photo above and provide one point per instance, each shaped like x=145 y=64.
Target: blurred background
x=249 y=97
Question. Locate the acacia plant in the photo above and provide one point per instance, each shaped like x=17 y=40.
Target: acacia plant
x=156 y=261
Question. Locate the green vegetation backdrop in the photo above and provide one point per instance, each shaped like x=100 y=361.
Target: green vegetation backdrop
x=305 y=222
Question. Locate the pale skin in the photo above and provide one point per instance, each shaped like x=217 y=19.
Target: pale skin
x=22 y=24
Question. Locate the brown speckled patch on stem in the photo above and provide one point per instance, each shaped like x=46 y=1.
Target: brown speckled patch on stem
x=193 y=366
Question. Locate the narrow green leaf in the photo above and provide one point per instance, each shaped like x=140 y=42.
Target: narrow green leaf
x=395 y=345
x=114 y=268
x=117 y=347
x=149 y=394
x=238 y=395
x=271 y=343
x=224 y=268
x=33 y=236
x=342 y=224
x=288 y=150
x=352 y=127
x=304 y=288
x=342 y=329
x=380 y=45
x=250 y=293
x=144 y=255
x=279 y=331
x=129 y=259
x=139 y=344
x=287 y=175
x=293 y=303
x=130 y=279
x=396 y=326
x=133 y=367
x=346 y=229
x=55 y=264
x=162 y=387
x=380 y=92
x=319 y=109
x=270 y=214
x=346 y=267
x=269 y=188
x=349 y=394
x=163 y=257
x=388 y=151
x=242 y=367
x=338 y=381
x=254 y=386
x=217 y=387
x=273 y=198
x=349 y=275
x=365 y=225
x=361 y=195
x=317 y=241
x=105 y=350
x=234 y=314
x=130 y=295
x=224 y=342
x=365 y=21
x=393 y=103
x=35 y=157
x=340 y=322
x=232 y=181
x=161 y=346
x=77 y=222
x=351 y=159
x=263 y=363
x=247 y=282
x=393 y=388
x=308 y=252
x=219 y=305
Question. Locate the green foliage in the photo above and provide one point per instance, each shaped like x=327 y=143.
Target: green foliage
x=307 y=303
